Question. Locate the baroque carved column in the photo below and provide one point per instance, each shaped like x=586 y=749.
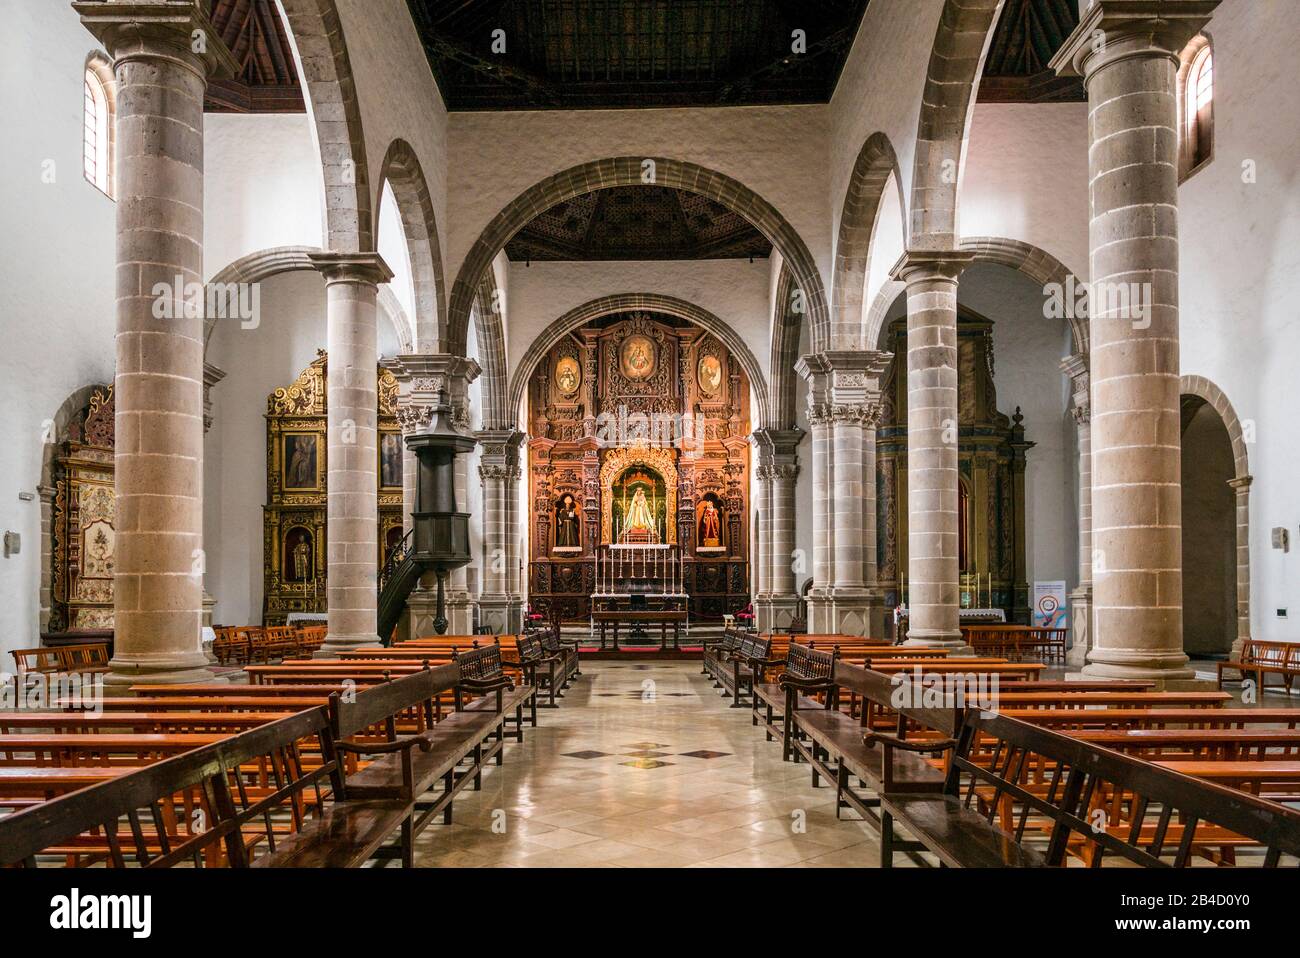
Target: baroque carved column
x=163 y=54
x=421 y=380
x=1081 y=598
x=843 y=412
x=352 y=501
x=933 y=534
x=500 y=602
x=778 y=600
x=1127 y=52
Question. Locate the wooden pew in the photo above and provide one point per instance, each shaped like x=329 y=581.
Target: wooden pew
x=1263 y=658
x=86 y=659
x=88 y=722
x=745 y=666
x=1067 y=720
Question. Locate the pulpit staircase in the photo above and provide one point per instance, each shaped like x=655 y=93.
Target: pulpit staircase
x=401 y=574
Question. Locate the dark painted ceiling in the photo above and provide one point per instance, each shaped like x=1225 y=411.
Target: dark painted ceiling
x=1027 y=37
x=268 y=78
x=638 y=223
x=573 y=54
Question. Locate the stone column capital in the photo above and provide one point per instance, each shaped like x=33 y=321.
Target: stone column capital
x=500 y=447
x=924 y=266
x=178 y=30
x=425 y=381
x=777 y=443
x=1076 y=367
x=840 y=377
x=211 y=376
x=1241 y=484
x=1112 y=30
x=362 y=268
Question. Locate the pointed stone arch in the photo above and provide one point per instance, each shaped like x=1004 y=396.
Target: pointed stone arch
x=632 y=171
x=866 y=190
x=652 y=302
x=326 y=73
x=786 y=328
x=402 y=171
x=956 y=62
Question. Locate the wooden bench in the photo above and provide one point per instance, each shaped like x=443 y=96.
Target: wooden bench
x=1265 y=658
x=715 y=653
x=807 y=675
x=1016 y=641
x=482 y=676
x=90 y=658
x=543 y=670
x=567 y=652
x=1093 y=803
x=746 y=665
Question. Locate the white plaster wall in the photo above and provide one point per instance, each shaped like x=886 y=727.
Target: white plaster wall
x=1240 y=278
x=778 y=152
x=1027 y=178
x=57 y=273
x=257 y=362
x=262 y=186
x=734 y=290
x=392 y=246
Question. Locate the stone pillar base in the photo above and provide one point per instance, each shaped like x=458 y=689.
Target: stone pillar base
x=1109 y=663
x=1161 y=684
x=1080 y=627
x=422 y=608
x=851 y=611
x=160 y=670
x=503 y=614
x=774 y=613
x=939 y=640
x=334 y=644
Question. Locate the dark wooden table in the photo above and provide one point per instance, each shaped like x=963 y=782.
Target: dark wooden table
x=662 y=617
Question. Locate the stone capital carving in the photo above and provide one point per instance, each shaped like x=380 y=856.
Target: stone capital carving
x=856 y=414
x=366 y=269
x=131 y=29
x=927 y=266
x=211 y=376
x=1112 y=30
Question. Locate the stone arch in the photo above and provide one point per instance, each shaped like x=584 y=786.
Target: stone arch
x=56 y=430
x=1204 y=392
x=491 y=336
x=654 y=302
x=862 y=200
x=402 y=171
x=326 y=73
x=956 y=61
x=629 y=171
x=263 y=264
x=786 y=326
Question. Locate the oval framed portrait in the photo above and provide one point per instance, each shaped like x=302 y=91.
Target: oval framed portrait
x=709 y=374
x=568 y=375
x=636 y=357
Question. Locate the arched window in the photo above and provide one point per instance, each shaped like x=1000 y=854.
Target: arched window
x=1196 y=99
x=97 y=132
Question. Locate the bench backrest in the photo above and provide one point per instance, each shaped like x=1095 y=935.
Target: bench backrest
x=891 y=692
x=755 y=647
x=529 y=646
x=1270 y=653
x=233 y=809
x=50 y=660
x=802 y=662
x=377 y=704
x=480 y=662
x=1117 y=804
x=550 y=641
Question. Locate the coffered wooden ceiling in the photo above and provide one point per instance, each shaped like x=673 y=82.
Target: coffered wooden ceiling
x=1027 y=37
x=268 y=78
x=575 y=54
x=638 y=223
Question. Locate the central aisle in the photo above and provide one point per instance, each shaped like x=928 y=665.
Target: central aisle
x=643 y=764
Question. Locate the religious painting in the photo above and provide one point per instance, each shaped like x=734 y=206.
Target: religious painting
x=301 y=461
x=640 y=507
x=392 y=538
x=709 y=374
x=568 y=525
x=637 y=357
x=299 y=563
x=568 y=375
x=390 y=460
x=709 y=523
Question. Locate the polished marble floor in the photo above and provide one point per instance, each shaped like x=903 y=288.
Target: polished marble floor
x=645 y=765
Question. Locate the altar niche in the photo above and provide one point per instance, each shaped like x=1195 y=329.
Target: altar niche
x=639 y=427
x=991 y=449
x=294 y=566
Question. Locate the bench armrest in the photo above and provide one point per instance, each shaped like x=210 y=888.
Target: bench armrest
x=486 y=685
x=788 y=681
x=403 y=745
x=889 y=740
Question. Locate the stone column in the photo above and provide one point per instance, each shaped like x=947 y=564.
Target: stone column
x=762 y=578
x=1081 y=598
x=1241 y=486
x=933 y=589
x=421 y=378
x=352 y=502
x=1127 y=52
x=779 y=602
x=500 y=603
x=844 y=410
x=162 y=72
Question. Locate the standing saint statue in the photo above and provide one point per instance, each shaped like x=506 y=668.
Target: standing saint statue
x=710 y=526
x=568 y=527
x=639 y=517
